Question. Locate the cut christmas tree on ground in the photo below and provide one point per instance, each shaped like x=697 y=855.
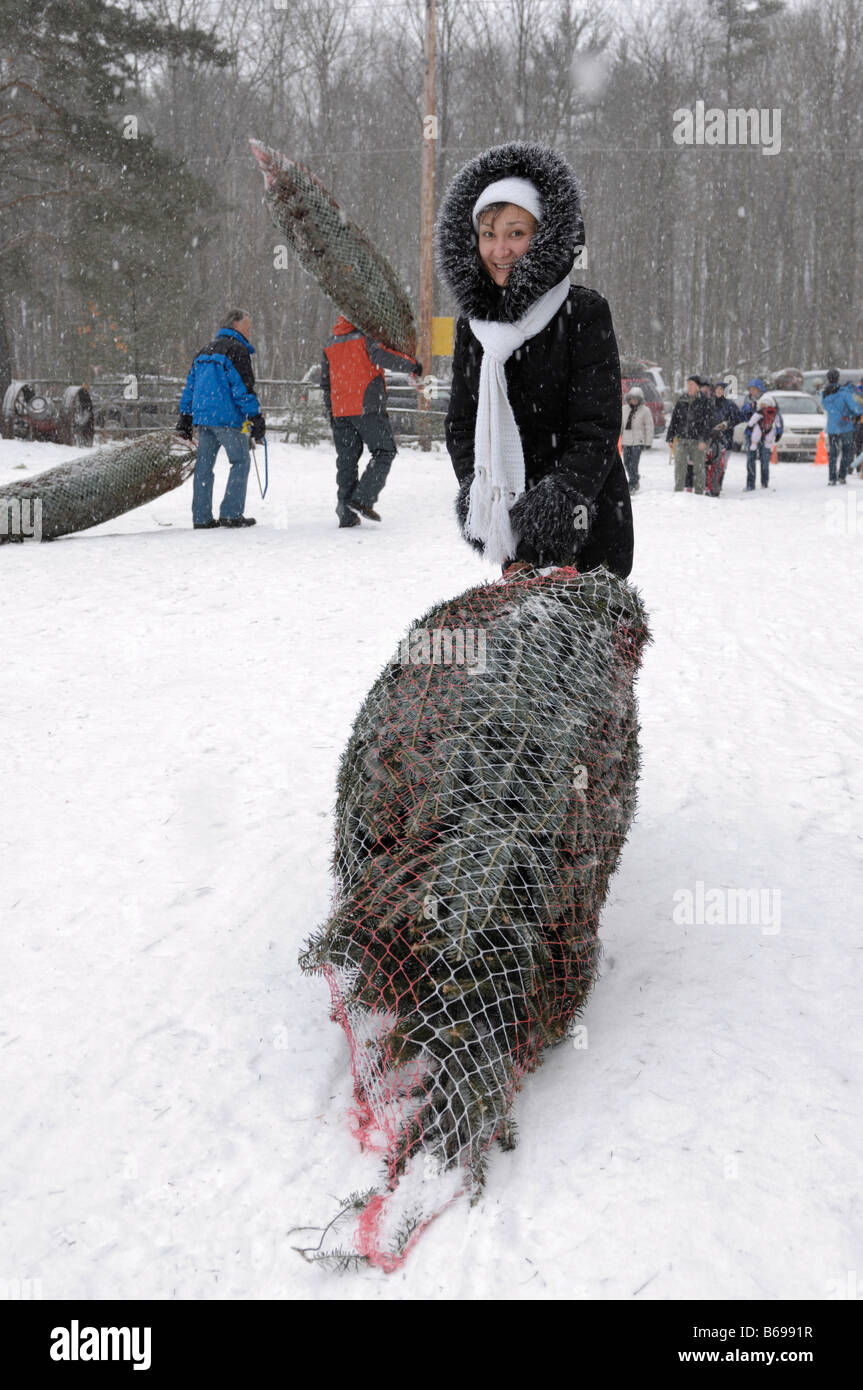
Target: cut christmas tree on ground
x=483 y=801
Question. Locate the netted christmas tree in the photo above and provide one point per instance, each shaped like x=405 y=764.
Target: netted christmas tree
x=483 y=800
x=99 y=485
x=354 y=273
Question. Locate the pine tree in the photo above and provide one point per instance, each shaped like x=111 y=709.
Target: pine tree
x=76 y=187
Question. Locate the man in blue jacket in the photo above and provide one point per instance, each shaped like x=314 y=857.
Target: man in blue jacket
x=842 y=406
x=218 y=398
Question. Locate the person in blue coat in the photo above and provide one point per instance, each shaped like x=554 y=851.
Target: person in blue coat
x=218 y=399
x=755 y=389
x=842 y=405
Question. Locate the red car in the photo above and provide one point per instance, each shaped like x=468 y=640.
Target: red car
x=652 y=399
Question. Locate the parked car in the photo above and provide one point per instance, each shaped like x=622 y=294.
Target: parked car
x=652 y=398
x=846 y=374
x=802 y=420
x=637 y=367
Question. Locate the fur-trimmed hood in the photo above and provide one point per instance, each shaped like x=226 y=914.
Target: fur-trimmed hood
x=552 y=249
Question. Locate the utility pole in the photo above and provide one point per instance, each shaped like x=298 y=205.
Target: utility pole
x=429 y=141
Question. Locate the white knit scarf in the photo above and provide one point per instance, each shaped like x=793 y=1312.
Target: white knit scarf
x=498 y=455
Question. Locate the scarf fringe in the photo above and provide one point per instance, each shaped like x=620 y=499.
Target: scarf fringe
x=479 y=506
x=501 y=541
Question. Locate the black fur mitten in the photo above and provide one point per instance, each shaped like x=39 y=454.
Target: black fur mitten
x=552 y=521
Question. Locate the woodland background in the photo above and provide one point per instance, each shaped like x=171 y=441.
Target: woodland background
x=121 y=255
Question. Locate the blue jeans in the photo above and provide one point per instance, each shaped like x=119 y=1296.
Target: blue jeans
x=762 y=452
x=631 y=455
x=236 y=446
x=835 y=443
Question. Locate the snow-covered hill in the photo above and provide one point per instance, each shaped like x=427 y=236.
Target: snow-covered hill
x=173 y=706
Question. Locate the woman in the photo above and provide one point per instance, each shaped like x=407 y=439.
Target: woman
x=727 y=416
x=535 y=405
x=637 y=433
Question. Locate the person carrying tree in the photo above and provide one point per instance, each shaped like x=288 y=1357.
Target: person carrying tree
x=355 y=398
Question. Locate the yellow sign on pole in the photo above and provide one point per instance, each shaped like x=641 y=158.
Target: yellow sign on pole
x=442 y=336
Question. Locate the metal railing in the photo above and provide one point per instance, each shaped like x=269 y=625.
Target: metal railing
x=294 y=409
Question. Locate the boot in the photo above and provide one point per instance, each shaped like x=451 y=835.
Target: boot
x=364 y=509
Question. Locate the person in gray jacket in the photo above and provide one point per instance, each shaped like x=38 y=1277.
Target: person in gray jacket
x=637 y=433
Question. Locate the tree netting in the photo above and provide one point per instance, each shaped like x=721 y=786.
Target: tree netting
x=353 y=273
x=96 y=487
x=483 y=799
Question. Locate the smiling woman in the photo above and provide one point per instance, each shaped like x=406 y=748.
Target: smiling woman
x=505 y=232
x=535 y=403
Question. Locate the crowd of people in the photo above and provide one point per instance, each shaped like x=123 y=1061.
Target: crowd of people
x=701 y=432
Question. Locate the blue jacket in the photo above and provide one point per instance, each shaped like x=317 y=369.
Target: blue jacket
x=220 y=386
x=842 y=405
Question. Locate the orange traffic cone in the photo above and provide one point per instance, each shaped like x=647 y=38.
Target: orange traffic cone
x=821 y=449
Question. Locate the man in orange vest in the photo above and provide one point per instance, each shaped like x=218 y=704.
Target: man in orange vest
x=355 y=397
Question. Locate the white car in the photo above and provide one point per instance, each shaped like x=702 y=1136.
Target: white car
x=819 y=375
x=803 y=421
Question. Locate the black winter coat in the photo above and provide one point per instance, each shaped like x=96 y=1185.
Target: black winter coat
x=563 y=384
x=729 y=412
x=693 y=417
x=564 y=390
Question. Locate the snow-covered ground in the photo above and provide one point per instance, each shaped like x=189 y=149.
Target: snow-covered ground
x=173 y=706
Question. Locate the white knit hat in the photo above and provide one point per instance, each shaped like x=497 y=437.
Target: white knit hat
x=512 y=190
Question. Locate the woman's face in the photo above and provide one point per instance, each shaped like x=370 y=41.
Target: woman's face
x=503 y=237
